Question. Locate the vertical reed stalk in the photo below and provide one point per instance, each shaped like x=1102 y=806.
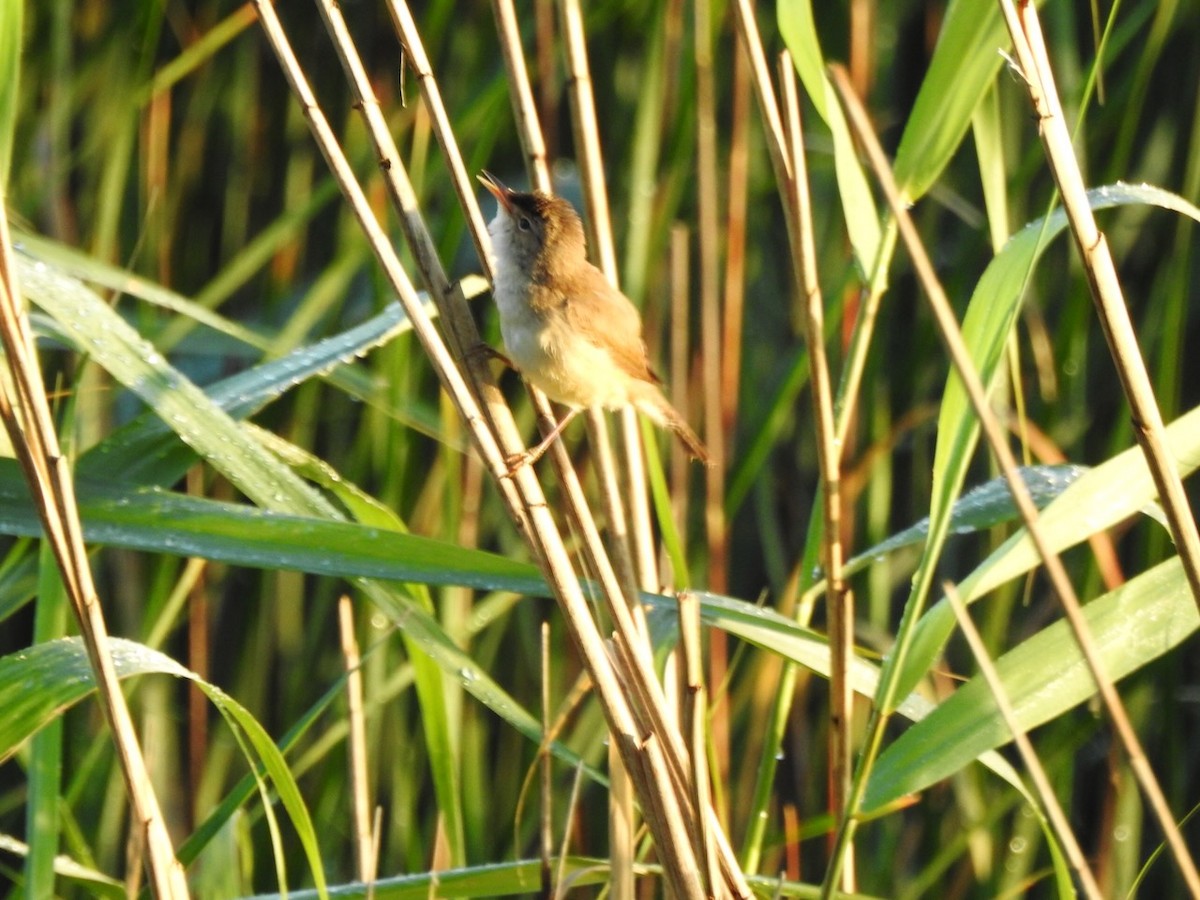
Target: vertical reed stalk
x=27 y=419
x=997 y=439
x=1041 y=782
x=839 y=599
x=1026 y=33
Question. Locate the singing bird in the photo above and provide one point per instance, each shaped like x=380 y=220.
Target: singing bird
x=565 y=327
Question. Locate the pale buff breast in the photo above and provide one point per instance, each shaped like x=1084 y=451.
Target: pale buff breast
x=568 y=368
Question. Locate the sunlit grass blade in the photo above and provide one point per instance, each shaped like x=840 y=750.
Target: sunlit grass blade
x=982 y=507
x=11 y=30
x=1044 y=677
x=160 y=521
x=965 y=61
x=989 y=321
x=38 y=683
x=1100 y=498
x=42 y=816
x=95 y=883
x=858 y=203
x=147 y=450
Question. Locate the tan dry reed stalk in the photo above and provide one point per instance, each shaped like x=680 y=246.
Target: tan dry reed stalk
x=464 y=184
x=1041 y=782
x=708 y=235
x=553 y=558
x=681 y=465
x=768 y=105
x=735 y=244
x=638 y=664
x=524 y=109
x=997 y=439
x=839 y=599
x=695 y=729
x=364 y=839
x=631 y=536
x=622 y=829
x=30 y=428
x=542 y=532
x=546 y=766
x=1026 y=33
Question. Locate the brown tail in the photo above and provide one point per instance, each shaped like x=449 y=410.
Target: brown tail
x=662 y=412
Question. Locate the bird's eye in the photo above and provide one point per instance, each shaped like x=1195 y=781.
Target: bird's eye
x=523 y=223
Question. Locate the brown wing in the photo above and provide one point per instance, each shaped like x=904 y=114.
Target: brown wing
x=604 y=316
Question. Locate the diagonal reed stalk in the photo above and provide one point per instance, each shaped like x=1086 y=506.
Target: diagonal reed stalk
x=27 y=419
x=839 y=599
x=997 y=439
x=785 y=150
x=1041 y=782
x=1026 y=33
x=630 y=647
x=651 y=748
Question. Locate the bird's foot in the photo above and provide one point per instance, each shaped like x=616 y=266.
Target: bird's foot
x=517 y=461
x=488 y=352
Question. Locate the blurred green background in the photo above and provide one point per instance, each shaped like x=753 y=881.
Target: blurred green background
x=160 y=138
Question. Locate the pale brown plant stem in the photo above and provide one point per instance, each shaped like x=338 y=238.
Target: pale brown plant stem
x=1105 y=286
x=631 y=535
x=695 y=712
x=1041 y=783
x=524 y=108
x=464 y=184
x=708 y=234
x=27 y=419
x=839 y=599
x=735 y=244
x=997 y=439
x=546 y=766
x=552 y=554
x=364 y=839
x=680 y=363
x=747 y=28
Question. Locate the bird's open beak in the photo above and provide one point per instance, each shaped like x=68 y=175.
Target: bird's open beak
x=498 y=189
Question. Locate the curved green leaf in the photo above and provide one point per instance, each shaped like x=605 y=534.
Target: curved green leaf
x=98 y=331
x=1099 y=499
x=984 y=506
x=1044 y=677
x=965 y=61
x=990 y=319
x=160 y=521
x=858 y=203
x=37 y=684
x=11 y=31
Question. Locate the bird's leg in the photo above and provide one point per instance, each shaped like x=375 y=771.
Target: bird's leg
x=489 y=352
x=534 y=453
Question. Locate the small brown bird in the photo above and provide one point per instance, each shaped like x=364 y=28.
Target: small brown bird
x=570 y=333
